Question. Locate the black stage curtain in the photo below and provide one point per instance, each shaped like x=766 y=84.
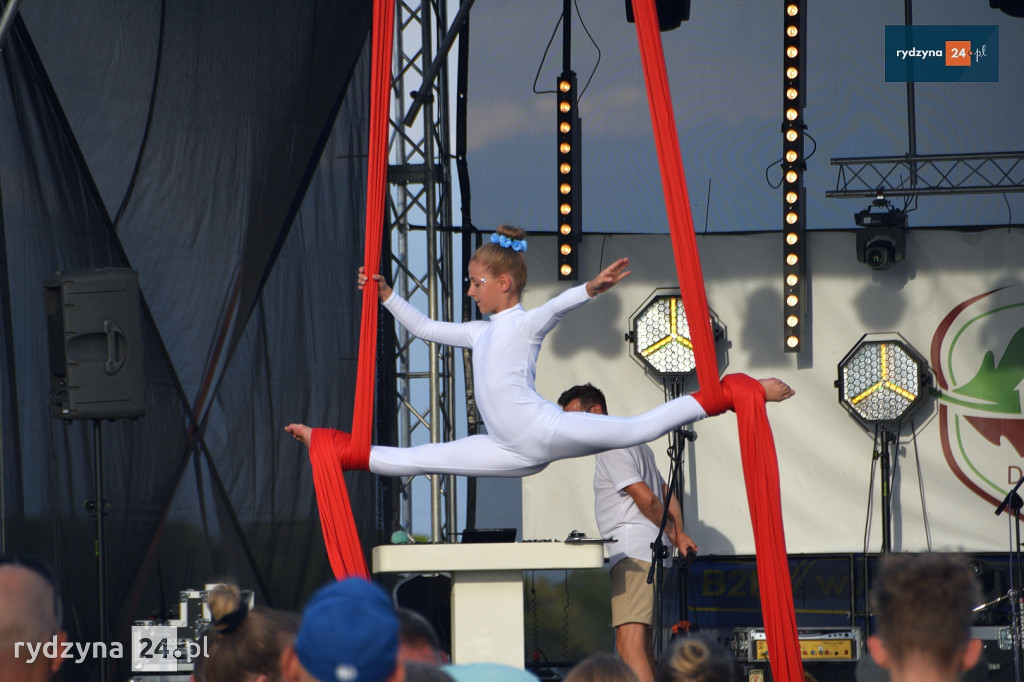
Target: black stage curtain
x=218 y=149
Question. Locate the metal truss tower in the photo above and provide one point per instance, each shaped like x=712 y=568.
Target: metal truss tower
x=420 y=211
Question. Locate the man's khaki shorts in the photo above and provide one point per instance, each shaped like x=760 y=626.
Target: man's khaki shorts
x=632 y=597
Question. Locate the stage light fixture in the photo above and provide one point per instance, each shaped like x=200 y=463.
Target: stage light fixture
x=568 y=177
x=881 y=247
x=882 y=237
x=882 y=381
x=671 y=13
x=660 y=335
x=794 y=227
x=1014 y=8
x=891 y=218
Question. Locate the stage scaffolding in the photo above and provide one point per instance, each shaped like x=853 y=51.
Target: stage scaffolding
x=420 y=215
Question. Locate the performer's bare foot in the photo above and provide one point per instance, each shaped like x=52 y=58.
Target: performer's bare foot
x=776 y=391
x=301 y=432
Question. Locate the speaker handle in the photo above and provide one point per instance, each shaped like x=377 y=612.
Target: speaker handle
x=113 y=364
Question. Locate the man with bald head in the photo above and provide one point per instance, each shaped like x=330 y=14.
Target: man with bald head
x=30 y=614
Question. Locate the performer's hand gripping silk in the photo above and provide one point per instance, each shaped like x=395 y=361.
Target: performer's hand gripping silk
x=524 y=431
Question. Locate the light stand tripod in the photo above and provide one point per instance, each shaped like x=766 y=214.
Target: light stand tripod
x=1016 y=596
x=885 y=458
x=659 y=552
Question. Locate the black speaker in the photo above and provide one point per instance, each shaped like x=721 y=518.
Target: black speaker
x=95 y=335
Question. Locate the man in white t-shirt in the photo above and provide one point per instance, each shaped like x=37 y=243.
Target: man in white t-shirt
x=629 y=495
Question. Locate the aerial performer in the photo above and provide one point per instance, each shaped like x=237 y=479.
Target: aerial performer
x=510 y=403
x=524 y=431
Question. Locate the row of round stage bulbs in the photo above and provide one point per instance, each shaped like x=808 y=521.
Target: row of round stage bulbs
x=569 y=196
x=794 y=225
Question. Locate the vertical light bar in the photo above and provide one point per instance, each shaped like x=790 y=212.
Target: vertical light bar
x=569 y=203
x=794 y=219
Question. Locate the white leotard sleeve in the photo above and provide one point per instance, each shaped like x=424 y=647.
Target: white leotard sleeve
x=542 y=319
x=460 y=334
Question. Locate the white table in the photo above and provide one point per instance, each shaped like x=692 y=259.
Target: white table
x=487 y=588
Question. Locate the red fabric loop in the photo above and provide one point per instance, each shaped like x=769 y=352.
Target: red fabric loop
x=328 y=449
x=340 y=449
x=717 y=402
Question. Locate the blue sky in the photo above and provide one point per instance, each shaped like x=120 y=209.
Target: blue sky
x=725 y=68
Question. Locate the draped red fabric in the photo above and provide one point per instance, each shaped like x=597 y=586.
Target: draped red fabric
x=745 y=395
x=333 y=452
x=339 y=526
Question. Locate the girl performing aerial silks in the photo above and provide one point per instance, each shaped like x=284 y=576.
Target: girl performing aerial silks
x=524 y=431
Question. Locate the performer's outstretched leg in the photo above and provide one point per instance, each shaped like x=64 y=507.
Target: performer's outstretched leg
x=472 y=456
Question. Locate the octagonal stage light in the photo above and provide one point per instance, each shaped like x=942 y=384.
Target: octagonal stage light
x=882 y=381
x=660 y=334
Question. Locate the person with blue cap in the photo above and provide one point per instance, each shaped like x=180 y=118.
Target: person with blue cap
x=349 y=633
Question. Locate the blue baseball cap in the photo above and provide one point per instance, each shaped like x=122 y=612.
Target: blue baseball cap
x=349 y=633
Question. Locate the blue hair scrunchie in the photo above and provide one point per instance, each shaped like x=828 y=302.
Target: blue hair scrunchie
x=508 y=242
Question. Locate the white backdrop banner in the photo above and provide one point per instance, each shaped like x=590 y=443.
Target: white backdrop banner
x=957 y=299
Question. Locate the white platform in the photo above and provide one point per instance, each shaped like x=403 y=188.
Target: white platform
x=487 y=588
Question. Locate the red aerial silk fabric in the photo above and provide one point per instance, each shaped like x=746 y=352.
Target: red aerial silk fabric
x=745 y=395
x=332 y=452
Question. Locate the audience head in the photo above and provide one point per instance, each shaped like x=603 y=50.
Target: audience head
x=488 y=672
x=509 y=260
x=583 y=399
x=349 y=633
x=601 y=667
x=243 y=645
x=425 y=672
x=923 y=607
x=695 y=659
x=30 y=613
x=418 y=640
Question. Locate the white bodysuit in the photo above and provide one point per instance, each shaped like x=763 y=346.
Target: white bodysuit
x=524 y=431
